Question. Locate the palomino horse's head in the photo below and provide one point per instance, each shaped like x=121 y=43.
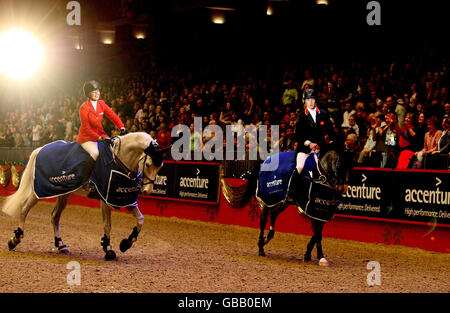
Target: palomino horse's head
x=151 y=164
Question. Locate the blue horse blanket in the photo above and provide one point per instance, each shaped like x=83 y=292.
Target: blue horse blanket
x=313 y=196
x=59 y=167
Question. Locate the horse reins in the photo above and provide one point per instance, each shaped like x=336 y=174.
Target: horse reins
x=323 y=179
x=132 y=175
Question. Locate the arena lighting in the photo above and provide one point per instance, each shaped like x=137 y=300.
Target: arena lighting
x=218 y=18
x=107 y=36
x=218 y=15
x=269 y=9
x=325 y=2
x=20 y=54
x=140 y=36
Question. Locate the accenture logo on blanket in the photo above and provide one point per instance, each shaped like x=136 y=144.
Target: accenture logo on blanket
x=62 y=178
x=274 y=182
x=128 y=189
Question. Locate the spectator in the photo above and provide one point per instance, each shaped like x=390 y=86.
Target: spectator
x=309 y=81
x=139 y=112
x=435 y=109
x=37 y=129
x=164 y=137
x=348 y=111
x=439 y=159
x=430 y=141
x=391 y=133
x=444 y=140
x=421 y=129
x=447 y=110
x=225 y=117
x=353 y=128
x=18 y=140
x=370 y=144
x=407 y=140
x=400 y=110
x=249 y=107
x=380 y=146
x=290 y=94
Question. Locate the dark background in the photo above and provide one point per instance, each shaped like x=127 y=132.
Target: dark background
x=299 y=33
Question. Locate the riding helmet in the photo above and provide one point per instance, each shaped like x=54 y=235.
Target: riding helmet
x=90 y=86
x=309 y=94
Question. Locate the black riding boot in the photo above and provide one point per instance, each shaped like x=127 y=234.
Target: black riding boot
x=87 y=170
x=85 y=175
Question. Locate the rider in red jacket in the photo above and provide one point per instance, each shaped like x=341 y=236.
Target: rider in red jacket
x=91 y=130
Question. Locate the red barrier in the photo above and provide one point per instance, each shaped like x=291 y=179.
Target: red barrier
x=389 y=232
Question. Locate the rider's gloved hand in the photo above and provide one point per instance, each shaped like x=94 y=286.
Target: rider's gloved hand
x=123 y=131
x=105 y=140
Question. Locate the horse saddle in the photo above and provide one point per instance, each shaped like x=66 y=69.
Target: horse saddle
x=59 y=167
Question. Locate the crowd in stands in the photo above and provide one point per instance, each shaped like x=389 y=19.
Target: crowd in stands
x=399 y=111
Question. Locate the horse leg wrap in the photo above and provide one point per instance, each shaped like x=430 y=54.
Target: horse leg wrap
x=105 y=243
x=319 y=250
x=126 y=243
x=14 y=241
x=109 y=254
x=269 y=236
x=57 y=241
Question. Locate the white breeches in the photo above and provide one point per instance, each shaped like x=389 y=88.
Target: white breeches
x=301 y=159
x=91 y=148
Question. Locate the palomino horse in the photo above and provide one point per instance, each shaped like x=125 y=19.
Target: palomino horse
x=316 y=192
x=132 y=155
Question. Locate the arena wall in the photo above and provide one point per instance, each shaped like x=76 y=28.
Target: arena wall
x=428 y=236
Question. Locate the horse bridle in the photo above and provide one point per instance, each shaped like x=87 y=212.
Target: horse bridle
x=149 y=180
x=132 y=175
x=323 y=179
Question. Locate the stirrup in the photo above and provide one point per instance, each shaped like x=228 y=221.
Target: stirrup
x=87 y=186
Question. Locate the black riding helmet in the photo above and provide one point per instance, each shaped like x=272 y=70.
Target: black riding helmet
x=90 y=86
x=309 y=94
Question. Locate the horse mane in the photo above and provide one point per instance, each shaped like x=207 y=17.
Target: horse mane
x=137 y=139
x=329 y=163
x=135 y=143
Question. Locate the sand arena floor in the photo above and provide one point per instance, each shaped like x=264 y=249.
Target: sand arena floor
x=176 y=255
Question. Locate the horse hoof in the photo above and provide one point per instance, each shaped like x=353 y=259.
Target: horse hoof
x=125 y=244
x=307 y=258
x=64 y=251
x=261 y=253
x=11 y=245
x=110 y=255
x=323 y=262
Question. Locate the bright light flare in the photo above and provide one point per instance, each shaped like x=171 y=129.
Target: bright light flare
x=20 y=54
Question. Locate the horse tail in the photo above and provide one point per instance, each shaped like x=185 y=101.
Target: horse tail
x=14 y=204
x=252 y=181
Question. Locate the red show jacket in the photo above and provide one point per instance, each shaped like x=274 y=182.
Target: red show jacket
x=91 y=121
